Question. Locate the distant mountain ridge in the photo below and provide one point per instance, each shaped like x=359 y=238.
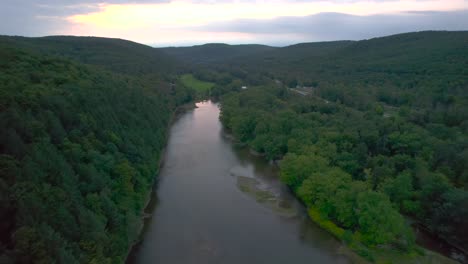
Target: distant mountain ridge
x=215 y=52
x=131 y=57
x=394 y=45
x=426 y=54
x=79 y=112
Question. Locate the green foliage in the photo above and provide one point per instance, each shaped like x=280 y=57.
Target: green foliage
x=400 y=190
x=370 y=140
x=117 y=55
x=214 y=52
x=382 y=129
x=379 y=223
x=79 y=153
x=297 y=168
x=327 y=224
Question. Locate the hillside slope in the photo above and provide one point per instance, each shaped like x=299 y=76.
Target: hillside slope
x=390 y=69
x=215 y=52
x=392 y=113
x=420 y=52
x=118 y=55
x=79 y=153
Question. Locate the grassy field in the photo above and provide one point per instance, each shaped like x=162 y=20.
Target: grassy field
x=201 y=87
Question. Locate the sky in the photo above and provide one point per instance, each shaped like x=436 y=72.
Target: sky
x=190 y=22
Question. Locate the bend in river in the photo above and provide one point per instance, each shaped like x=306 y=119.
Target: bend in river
x=218 y=203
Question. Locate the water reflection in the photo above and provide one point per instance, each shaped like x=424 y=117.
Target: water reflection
x=217 y=203
x=255 y=166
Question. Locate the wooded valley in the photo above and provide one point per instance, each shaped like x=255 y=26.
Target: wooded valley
x=372 y=136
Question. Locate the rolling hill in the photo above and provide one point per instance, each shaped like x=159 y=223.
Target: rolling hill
x=214 y=52
x=85 y=119
x=118 y=55
x=79 y=145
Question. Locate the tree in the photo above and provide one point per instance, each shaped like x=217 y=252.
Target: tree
x=379 y=223
x=400 y=191
x=296 y=168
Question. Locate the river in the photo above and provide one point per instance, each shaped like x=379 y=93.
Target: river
x=217 y=203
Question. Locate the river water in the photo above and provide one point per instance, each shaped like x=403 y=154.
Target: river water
x=218 y=203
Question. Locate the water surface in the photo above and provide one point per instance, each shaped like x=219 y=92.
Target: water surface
x=218 y=203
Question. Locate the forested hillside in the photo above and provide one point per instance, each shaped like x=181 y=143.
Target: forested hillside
x=420 y=69
x=118 y=55
x=79 y=150
x=215 y=53
x=380 y=132
x=371 y=135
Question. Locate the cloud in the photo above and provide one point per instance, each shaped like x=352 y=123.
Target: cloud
x=234 y=21
x=338 y=26
x=18 y=18
x=38 y=18
x=78 y=2
x=47 y=17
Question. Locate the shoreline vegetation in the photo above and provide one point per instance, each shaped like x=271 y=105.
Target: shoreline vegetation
x=145 y=213
x=80 y=150
x=352 y=246
x=368 y=132
x=368 y=139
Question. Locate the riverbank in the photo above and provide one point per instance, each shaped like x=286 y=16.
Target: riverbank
x=375 y=255
x=149 y=200
x=201 y=215
x=190 y=221
x=251 y=187
x=355 y=248
x=322 y=164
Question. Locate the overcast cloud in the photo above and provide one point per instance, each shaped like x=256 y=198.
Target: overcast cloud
x=52 y=17
x=337 y=26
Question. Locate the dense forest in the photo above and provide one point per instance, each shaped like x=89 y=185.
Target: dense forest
x=121 y=56
x=358 y=169
x=367 y=133
x=371 y=135
x=80 y=146
x=218 y=53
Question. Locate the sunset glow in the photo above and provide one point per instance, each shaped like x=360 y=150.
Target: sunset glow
x=185 y=21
